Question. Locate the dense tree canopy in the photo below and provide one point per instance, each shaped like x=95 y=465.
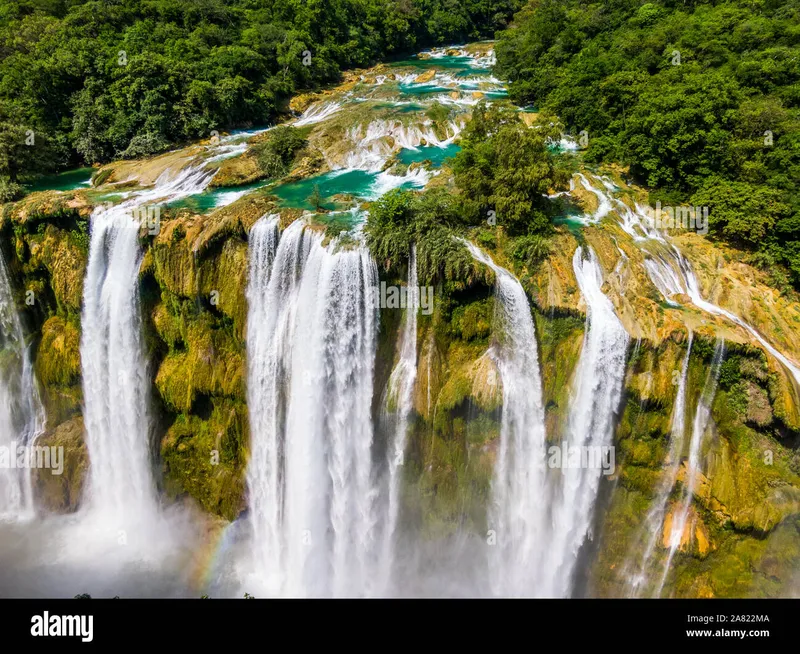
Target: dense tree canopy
x=701 y=99
x=103 y=79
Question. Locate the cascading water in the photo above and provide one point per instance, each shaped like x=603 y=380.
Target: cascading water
x=115 y=380
x=667 y=268
x=699 y=425
x=518 y=509
x=313 y=498
x=317 y=112
x=596 y=396
x=672 y=274
x=604 y=203
x=655 y=517
x=270 y=301
x=114 y=367
x=400 y=403
x=21 y=412
x=375 y=144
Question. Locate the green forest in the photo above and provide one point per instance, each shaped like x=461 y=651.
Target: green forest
x=95 y=81
x=700 y=99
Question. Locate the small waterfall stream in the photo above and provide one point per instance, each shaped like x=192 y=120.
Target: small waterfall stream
x=21 y=411
x=655 y=516
x=400 y=396
x=673 y=274
x=595 y=400
x=518 y=510
x=699 y=425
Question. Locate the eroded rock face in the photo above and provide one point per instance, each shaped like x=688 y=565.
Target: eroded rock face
x=742 y=515
x=62 y=492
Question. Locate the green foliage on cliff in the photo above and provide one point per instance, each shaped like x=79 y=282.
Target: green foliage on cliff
x=700 y=99
x=432 y=221
x=205 y=457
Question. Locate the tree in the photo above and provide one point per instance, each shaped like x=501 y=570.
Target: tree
x=507 y=167
x=23 y=152
x=316 y=199
x=744 y=213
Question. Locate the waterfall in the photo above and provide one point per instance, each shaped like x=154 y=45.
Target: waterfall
x=604 y=204
x=317 y=112
x=597 y=392
x=375 y=144
x=400 y=403
x=699 y=425
x=114 y=368
x=518 y=508
x=21 y=412
x=311 y=478
x=115 y=379
x=655 y=517
x=270 y=315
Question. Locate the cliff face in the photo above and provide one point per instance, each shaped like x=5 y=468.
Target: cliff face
x=741 y=536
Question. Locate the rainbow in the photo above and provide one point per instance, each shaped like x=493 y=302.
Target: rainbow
x=211 y=555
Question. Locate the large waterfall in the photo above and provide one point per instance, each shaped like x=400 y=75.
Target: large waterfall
x=595 y=401
x=311 y=479
x=115 y=379
x=115 y=376
x=518 y=511
x=541 y=521
x=21 y=413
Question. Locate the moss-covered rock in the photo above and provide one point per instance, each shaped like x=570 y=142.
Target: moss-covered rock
x=58 y=368
x=61 y=493
x=204 y=457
